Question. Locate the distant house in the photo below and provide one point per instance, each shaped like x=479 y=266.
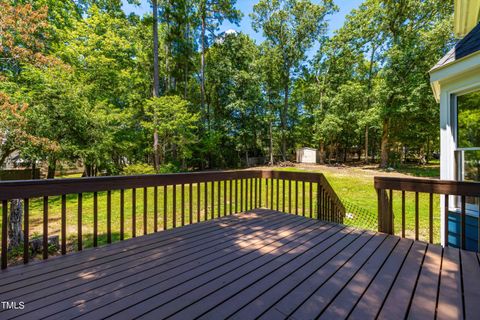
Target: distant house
x=455 y=81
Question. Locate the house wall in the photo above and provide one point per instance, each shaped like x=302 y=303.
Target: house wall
x=463 y=78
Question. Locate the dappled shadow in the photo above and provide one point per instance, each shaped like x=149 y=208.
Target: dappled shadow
x=242 y=264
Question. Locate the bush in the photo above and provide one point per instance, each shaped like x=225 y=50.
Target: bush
x=138 y=168
x=168 y=168
x=143 y=168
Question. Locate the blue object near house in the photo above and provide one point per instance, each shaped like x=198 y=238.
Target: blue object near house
x=455 y=230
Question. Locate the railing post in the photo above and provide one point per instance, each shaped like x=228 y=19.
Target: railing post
x=385 y=216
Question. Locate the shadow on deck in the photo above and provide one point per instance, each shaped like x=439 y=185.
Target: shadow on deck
x=262 y=264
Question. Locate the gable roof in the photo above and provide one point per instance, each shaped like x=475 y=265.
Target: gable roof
x=468 y=45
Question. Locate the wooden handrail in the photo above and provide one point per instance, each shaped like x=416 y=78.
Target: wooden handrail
x=470 y=189
x=243 y=189
x=444 y=188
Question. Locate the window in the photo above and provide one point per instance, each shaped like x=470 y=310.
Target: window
x=468 y=120
x=467 y=153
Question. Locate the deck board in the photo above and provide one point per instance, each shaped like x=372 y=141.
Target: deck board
x=313 y=295
x=262 y=264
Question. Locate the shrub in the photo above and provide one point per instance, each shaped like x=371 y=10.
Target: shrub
x=138 y=168
x=143 y=168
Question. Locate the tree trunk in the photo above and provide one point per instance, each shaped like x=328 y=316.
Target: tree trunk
x=366 y=144
x=187 y=39
x=427 y=156
x=156 y=82
x=321 y=159
x=284 y=120
x=167 y=79
x=384 y=148
x=270 y=149
x=52 y=166
x=15 y=232
x=156 y=153
x=202 y=66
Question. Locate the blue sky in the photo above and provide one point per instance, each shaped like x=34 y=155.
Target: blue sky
x=246 y=6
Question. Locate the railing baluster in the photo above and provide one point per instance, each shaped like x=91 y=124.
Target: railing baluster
x=174 y=206
x=417 y=227
x=230 y=195
x=165 y=207
x=4 y=234
x=241 y=195
x=64 y=225
x=145 y=209
x=122 y=214
x=283 y=195
x=255 y=193
x=182 y=201
x=190 y=203
x=213 y=200
x=319 y=202
x=45 y=227
x=391 y=211
x=205 y=200
x=95 y=219
x=225 y=197
x=271 y=193
x=219 y=193
x=430 y=218
x=303 y=198
x=236 y=196
x=251 y=193
x=289 y=196
x=198 y=202
x=79 y=218
x=403 y=213
x=109 y=216
x=266 y=193
x=277 y=197
x=246 y=194
x=26 y=235
x=155 y=209
x=445 y=230
x=134 y=213
x=296 y=197
x=464 y=218
x=311 y=200
x=260 y=190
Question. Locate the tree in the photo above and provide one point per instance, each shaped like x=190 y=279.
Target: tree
x=212 y=13
x=235 y=98
x=406 y=25
x=271 y=73
x=156 y=82
x=111 y=64
x=292 y=26
x=176 y=126
x=23 y=33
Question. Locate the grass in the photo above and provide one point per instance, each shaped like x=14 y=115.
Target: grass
x=354 y=189
x=358 y=190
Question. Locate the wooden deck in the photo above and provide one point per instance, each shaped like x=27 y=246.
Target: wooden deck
x=261 y=264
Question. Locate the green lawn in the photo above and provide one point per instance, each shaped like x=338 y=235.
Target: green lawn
x=355 y=190
x=358 y=190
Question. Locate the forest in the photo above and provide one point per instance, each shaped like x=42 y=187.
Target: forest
x=83 y=83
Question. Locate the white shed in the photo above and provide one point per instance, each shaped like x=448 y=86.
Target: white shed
x=307 y=155
x=456 y=85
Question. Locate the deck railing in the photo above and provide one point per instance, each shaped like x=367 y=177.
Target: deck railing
x=452 y=197
x=178 y=200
